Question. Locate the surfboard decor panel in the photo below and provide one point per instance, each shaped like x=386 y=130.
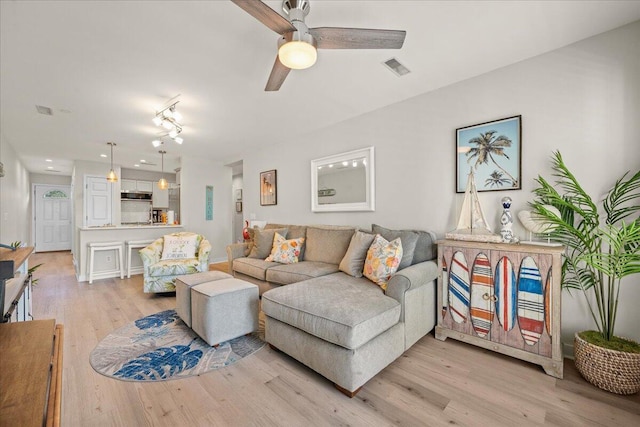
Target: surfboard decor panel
x=530 y=301
x=459 y=288
x=505 y=292
x=445 y=284
x=547 y=302
x=481 y=308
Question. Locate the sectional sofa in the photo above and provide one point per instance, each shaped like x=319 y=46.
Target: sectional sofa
x=328 y=316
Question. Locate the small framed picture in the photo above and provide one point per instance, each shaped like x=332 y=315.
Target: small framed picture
x=238 y=207
x=239 y=194
x=268 y=188
x=494 y=151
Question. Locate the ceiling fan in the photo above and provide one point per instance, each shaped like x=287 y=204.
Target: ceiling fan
x=298 y=43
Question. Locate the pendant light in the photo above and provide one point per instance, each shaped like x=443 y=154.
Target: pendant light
x=111 y=176
x=163 y=184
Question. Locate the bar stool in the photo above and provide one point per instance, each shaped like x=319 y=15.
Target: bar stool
x=105 y=246
x=135 y=244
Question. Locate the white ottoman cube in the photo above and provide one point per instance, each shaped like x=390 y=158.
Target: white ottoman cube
x=183 y=290
x=224 y=309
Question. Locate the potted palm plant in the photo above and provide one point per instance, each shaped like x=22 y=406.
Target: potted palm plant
x=603 y=247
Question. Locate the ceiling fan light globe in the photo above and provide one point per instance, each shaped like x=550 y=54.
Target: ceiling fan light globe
x=157 y=120
x=297 y=55
x=177 y=116
x=156 y=143
x=178 y=140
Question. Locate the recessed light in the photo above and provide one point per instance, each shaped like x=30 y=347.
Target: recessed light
x=143 y=161
x=48 y=160
x=49 y=167
x=103 y=155
x=136 y=165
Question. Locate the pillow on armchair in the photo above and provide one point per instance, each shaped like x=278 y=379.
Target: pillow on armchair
x=180 y=246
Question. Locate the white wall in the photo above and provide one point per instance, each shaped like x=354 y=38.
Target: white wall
x=238 y=225
x=15 y=200
x=195 y=175
x=583 y=99
x=49 y=179
x=144 y=175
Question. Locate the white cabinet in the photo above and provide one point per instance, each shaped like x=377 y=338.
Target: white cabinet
x=160 y=197
x=127 y=185
x=144 y=186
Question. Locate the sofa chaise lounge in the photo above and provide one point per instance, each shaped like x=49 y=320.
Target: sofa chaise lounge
x=328 y=316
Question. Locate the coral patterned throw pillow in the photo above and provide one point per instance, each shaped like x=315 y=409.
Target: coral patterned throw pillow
x=383 y=259
x=285 y=251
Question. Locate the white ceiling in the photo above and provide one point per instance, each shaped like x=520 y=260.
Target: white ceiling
x=105 y=67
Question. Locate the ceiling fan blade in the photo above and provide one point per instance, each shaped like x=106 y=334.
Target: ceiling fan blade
x=266 y=15
x=357 y=38
x=279 y=72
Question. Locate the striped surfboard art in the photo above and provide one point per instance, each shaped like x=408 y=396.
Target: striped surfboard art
x=530 y=301
x=459 y=288
x=445 y=284
x=547 y=302
x=505 y=292
x=481 y=296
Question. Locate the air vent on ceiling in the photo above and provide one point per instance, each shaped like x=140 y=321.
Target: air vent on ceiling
x=44 y=110
x=394 y=65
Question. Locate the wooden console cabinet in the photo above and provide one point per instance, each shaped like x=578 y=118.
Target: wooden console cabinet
x=31 y=373
x=15 y=285
x=502 y=297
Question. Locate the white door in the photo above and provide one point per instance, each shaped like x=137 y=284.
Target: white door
x=53 y=217
x=97 y=198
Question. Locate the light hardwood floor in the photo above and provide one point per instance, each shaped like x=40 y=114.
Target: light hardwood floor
x=434 y=383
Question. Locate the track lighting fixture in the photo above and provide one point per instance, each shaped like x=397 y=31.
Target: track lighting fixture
x=169 y=118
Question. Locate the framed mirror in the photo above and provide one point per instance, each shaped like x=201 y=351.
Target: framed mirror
x=344 y=182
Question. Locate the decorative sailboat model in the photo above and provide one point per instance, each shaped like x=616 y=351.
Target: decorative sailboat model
x=472 y=224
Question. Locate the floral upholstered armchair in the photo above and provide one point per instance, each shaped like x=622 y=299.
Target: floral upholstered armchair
x=171 y=256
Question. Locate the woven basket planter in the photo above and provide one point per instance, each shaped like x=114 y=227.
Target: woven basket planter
x=610 y=370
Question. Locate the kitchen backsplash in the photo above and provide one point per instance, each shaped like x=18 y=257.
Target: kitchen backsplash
x=134 y=212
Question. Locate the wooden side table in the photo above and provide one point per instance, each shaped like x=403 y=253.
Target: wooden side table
x=31 y=373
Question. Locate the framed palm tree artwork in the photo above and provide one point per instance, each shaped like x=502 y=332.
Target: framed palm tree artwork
x=494 y=151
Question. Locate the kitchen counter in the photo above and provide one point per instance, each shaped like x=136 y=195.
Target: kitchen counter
x=117 y=233
x=129 y=227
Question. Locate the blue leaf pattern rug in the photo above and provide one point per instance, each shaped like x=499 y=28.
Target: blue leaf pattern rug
x=161 y=347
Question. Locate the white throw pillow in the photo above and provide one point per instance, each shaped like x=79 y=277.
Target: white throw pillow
x=179 y=246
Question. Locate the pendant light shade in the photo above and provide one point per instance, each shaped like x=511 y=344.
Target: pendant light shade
x=163 y=184
x=111 y=176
